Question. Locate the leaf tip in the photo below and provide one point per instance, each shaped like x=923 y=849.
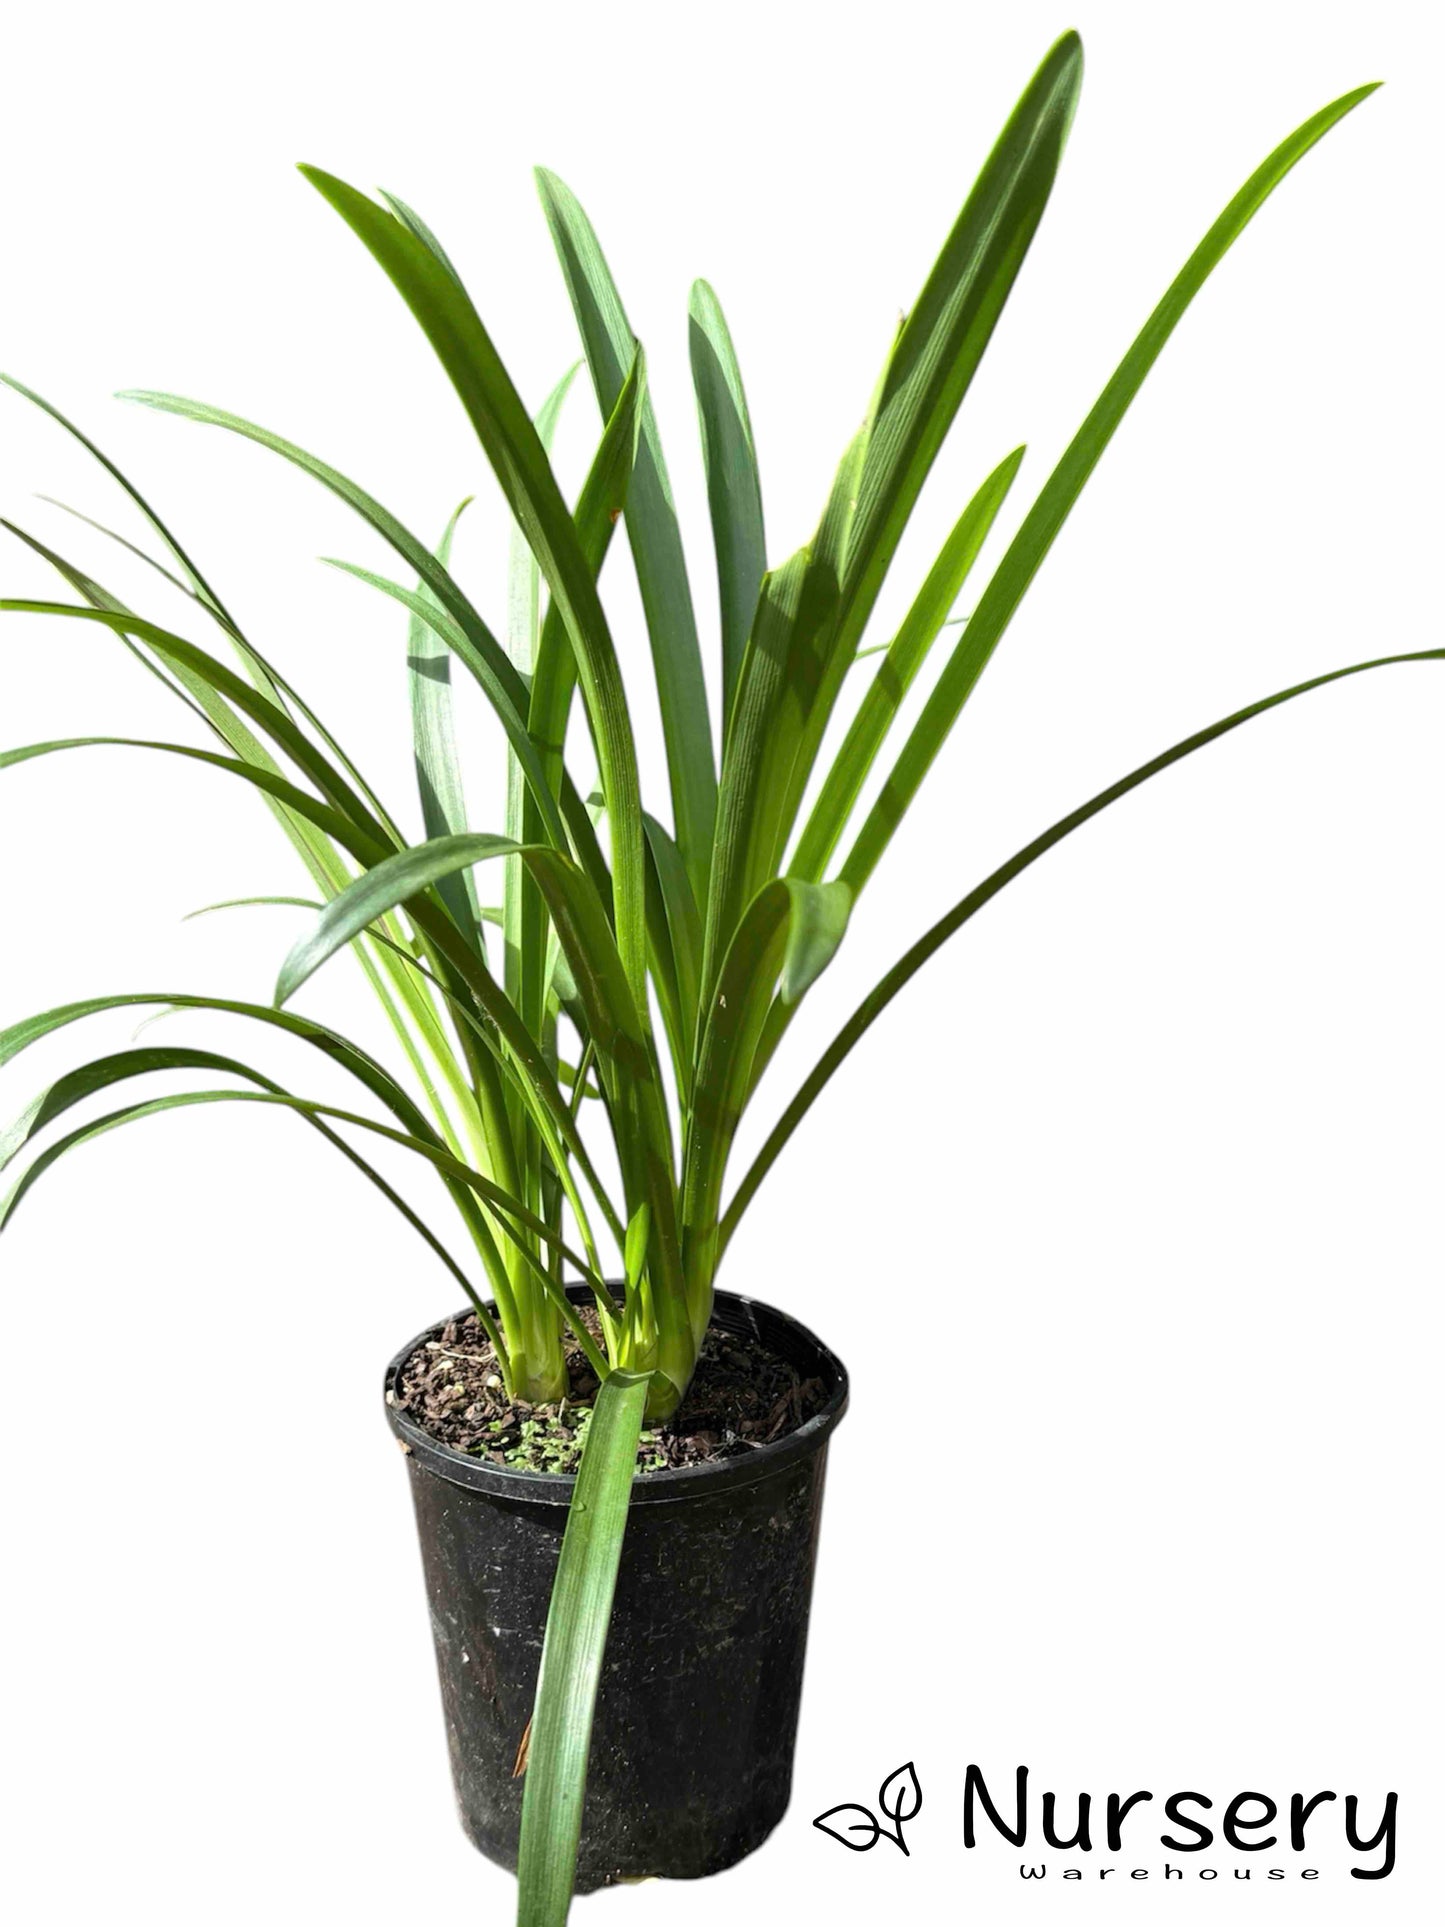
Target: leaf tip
x=1068 y=50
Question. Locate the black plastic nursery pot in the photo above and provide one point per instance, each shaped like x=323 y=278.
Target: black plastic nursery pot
x=697 y=1713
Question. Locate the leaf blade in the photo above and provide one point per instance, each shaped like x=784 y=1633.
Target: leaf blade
x=734 y=492
x=434 y=744
x=510 y=442
x=1041 y=525
x=652 y=531
x=572 y=1651
x=888 y=986
x=905 y=656
x=384 y=887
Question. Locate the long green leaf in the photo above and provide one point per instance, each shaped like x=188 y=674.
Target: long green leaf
x=524 y=578
x=748 y=801
x=777 y=686
x=434 y=744
x=387 y=886
x=199 y=695
x=888 y=987
x=426 y=611
x=572 y=1651
x=411 y=219
x=265 y=674
x=274 y=721
x=330 y=1043
x=531 y=952
x=401 y=878
x=99 y=598
x=734 y=492
x=1044 y=520
x=791 y=929
x=330 y=822
x=252 y=903
x=262 y=673
x=949 y=327
x=19 y=1037
x=652 y=531
x=404 y=1003
x=470 y=640
x=636 y=1105
x=934 y=359
x=197 y=581
x=76 y=1086
x=509 y=1211
x=604 y=496
x=519 y=462
x=475 y=646
x=675 y=931
x=333 y=827
x=524 y=633
x=905 y=657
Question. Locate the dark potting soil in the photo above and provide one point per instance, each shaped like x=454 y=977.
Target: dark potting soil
x=741 y=1397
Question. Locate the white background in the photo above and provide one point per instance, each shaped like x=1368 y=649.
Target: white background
x=1126 y=1218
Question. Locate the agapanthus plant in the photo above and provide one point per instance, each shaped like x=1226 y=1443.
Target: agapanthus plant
x=641 y=965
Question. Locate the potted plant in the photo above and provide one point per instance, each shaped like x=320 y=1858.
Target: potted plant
x=579 y=1056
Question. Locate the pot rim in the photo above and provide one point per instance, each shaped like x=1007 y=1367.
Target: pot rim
x=749 y=1315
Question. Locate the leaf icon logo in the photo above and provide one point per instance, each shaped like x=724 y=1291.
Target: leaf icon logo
x=900 y=1799
x=861 y=1822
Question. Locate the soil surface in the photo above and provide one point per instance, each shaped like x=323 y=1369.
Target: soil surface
x=741 y=1397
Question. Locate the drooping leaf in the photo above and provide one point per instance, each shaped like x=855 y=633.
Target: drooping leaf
x=913 y=960
x=467 y=636
x=509 y=1212
x=572 y=1652
x=330 y=1043
x=201 y=588
x=329 y=821
x=258 y=708
x=389 y=884
x=402 y=878
x=76 y=1086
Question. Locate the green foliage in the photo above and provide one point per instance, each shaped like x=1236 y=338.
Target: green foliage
x=724 y=921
